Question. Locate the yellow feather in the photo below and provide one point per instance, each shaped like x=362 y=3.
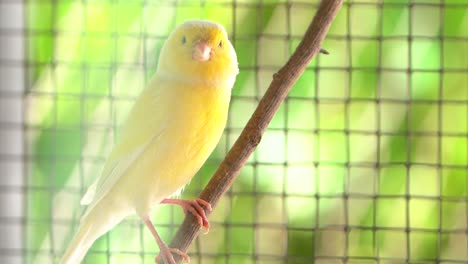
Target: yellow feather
x=173 y=127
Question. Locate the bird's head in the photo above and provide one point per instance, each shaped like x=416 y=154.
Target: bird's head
x=199 y=49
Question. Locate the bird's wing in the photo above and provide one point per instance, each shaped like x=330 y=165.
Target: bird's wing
x=111 y=173
x=144 y=124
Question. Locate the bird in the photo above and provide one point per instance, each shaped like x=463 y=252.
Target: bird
x=174 y=125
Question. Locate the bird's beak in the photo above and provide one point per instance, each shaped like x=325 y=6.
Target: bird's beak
x=201 y=51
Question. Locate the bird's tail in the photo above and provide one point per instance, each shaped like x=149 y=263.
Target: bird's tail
x=98 y=220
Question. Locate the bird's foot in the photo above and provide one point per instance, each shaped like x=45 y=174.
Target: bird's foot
x=195 y=207
x=166 y=255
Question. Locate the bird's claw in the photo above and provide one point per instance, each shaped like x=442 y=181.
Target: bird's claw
x=166 y=255
x=196 y=208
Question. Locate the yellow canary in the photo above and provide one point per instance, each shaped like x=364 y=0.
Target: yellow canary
x=171 y=130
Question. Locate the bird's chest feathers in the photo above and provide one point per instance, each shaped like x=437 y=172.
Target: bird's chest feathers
x=200 y=120
x=196 y=119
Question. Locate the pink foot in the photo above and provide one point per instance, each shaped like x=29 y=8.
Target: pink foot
x=195 y=207
x=165 y=255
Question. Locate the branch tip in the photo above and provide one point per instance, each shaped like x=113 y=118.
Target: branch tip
x=324 y=51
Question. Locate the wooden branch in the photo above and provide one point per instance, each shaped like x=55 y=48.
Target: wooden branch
x=250 y=137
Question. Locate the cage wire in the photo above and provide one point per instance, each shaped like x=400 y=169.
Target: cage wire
x=365 y=162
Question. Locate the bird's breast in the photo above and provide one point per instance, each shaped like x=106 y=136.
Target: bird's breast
x=198 y=117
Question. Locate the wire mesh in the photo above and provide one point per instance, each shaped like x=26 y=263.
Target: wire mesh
x=11 y=131
x=365 y=162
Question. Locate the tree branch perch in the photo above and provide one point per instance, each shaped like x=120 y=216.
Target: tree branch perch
x=250 y=137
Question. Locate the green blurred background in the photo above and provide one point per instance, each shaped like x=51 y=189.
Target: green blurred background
x=365 y=162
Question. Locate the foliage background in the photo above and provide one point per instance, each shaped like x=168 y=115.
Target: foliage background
x=366 y=161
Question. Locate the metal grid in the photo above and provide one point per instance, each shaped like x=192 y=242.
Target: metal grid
x=11 y=131
x=366 y=162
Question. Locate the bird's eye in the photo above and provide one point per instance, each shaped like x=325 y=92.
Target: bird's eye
x=220 y=44
x=184 y=40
